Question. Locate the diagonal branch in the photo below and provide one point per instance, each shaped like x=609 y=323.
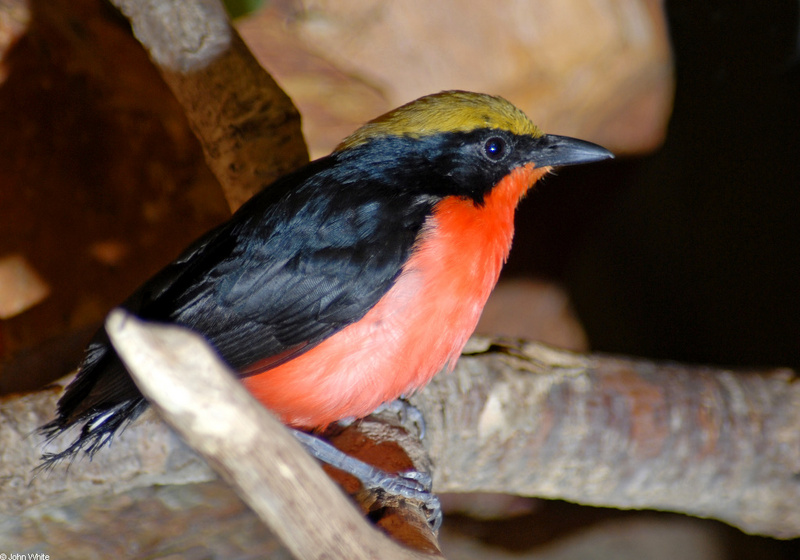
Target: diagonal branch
x=248 y=127
x=199 y=396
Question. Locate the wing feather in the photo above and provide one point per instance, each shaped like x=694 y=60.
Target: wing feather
x=300 y=261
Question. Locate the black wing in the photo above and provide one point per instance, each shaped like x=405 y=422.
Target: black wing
x=300 y=261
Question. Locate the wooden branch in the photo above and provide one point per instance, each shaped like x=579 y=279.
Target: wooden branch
x=199 y=396
x=248 y=127
x=524 y=419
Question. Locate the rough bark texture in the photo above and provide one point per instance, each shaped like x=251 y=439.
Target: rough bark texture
x=248 y=127
x=529 y=420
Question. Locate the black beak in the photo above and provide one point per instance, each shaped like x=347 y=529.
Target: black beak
x=554 y=151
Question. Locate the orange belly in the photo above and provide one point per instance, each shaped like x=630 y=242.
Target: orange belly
x=417 y=328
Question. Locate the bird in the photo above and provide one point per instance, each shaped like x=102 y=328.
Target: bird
x=349 y=282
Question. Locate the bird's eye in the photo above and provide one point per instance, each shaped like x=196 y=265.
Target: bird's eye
x=495 y=148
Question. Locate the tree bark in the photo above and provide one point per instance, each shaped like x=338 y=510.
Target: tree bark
x=248 y=127
x=525 y=419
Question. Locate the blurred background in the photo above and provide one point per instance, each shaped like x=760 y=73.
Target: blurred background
x=684 y=248
x=692 y=252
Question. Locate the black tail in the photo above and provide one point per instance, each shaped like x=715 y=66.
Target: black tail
x=102 y=398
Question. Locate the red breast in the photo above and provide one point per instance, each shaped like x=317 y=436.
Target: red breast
x=417 y=328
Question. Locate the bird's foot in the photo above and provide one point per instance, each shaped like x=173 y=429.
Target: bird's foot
x=412 y=485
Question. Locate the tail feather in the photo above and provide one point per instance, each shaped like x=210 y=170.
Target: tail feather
x=102 y=400
x=98 y=429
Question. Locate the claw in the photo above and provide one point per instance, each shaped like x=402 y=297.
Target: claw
x=413 y=485
x=424 y=479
